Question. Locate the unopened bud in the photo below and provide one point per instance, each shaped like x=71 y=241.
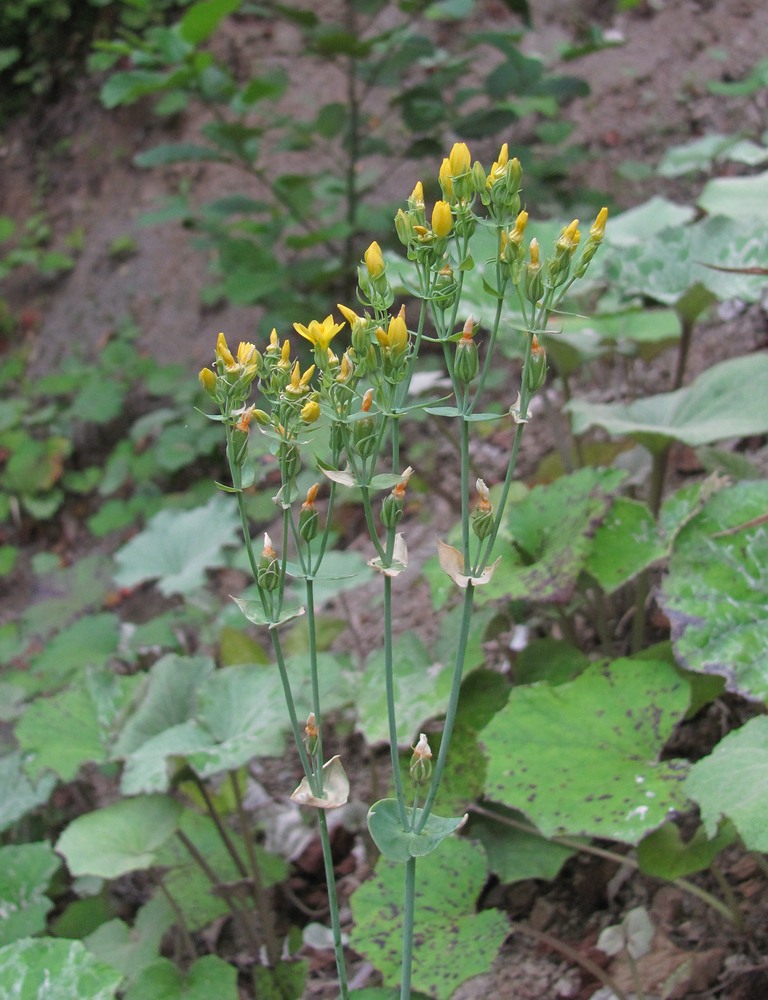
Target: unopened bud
x=308 y=518
x=208 y=381
x=268 y=571
x=466 y=362
x=421 y=761
x=311 y=734
x=536 y=369
x=482 y=515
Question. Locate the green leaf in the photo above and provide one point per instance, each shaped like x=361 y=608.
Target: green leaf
x=131 y=949
x=743 y=198
x=733 y=782
x=202 y=19
x=386 y=828
x=551 y=660
x=625 y=544
x=178 y=152
x=18 y=795
x=62 y=733
x=48 y=969
x=716 y=590
x=448 y=884
x=119 y=838
x=711 y=408
x=516 y=854
x=70 y=591
x=664 y=854
x=583 y=757
x=177 y=547
x=546 y=537
x=208 y=977
x=25 y=871
x=189 y=886
x=89 y=641
x=641 y=224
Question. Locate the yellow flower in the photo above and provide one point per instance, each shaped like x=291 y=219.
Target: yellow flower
x=534 y=251
x=246 y=353
x=569 y=237
x=349 y=314
x=446 y=182
x=459 y=159
x=374 y=260
x=499 y=168
x=442 y=220
x=208 y=381
x=298 y=384
x=310 y=411
x=416 y=201
x=597 y=231
x=319 y=334
x=224 y=354
x=396 y=337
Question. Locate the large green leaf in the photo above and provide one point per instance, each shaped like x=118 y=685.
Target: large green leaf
x=190 y=888
x=626 y=543
x=132 y=948
x=546 y=537
x=89 y=641
x=120 y=838
x=514 y=853
x=25 y=871
x=452 y=942
x=733 y=782
x=177 y=547
x=18 y=795
x=50 y=969
x=209 y=977
x=583 y=757
x=713 y=407
x=213 y=720
x=398 y=844
x=744 y=198
x=716 y=591
x=664 y=854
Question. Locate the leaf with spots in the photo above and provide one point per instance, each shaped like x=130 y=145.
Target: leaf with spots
x=716 y=592
x=546 y=537
x=583 y=757
x=452 y=941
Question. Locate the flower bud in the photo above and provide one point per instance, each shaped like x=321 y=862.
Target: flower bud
x=446 y=289
x=421 y=762
x=364 y=437
x=289 y=459
x=310 y=411
x=308 y=518
x=208 y=381
x=268 y=570
x=466 y=362
x=533 y=281
x=442 y=220
x=536 y=369
x=311 y=734
x=374 y=261
x=392 y=505
x=482 y=515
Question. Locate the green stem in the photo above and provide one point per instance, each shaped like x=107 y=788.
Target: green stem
x=409 y=914
x=389 y=682
x=643 y=586
x=333 y=905
x=186 y=937
x=291 y=707
x=314 y=678
x=453 y=702
x=221 y=829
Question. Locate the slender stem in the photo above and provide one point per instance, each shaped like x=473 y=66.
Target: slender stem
x=222 y=830
x=186 y=937
x=291 y=707
x=333 y=904
x=453 y=702
x=389 y=682
x=314 y=678
x=409 y=914
x=643 y=586
x=266 y=915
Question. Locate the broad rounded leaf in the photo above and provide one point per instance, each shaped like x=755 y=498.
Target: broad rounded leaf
x=50 y=969
x=716 y=592
x=733 y=782
x=583 y=757
x=25 y=871
x=626 y=543
x=713 y=407
x=516 y=854
x=386 y=828
x=18 y=795
x=452 y=942
x=209 y=977
x=177 y=547
x=119 y=838
x=664 y=854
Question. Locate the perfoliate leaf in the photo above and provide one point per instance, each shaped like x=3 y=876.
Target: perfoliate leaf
x=335 y=788
x=386 y=827
x=583 y=757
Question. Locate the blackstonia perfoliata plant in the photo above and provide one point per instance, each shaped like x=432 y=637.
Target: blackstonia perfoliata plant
x=343 y=415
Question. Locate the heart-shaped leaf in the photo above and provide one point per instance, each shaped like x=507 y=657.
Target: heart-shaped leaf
x=583 y=757
x=208 y=977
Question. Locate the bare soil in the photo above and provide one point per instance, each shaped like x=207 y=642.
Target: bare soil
x=648 y=93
